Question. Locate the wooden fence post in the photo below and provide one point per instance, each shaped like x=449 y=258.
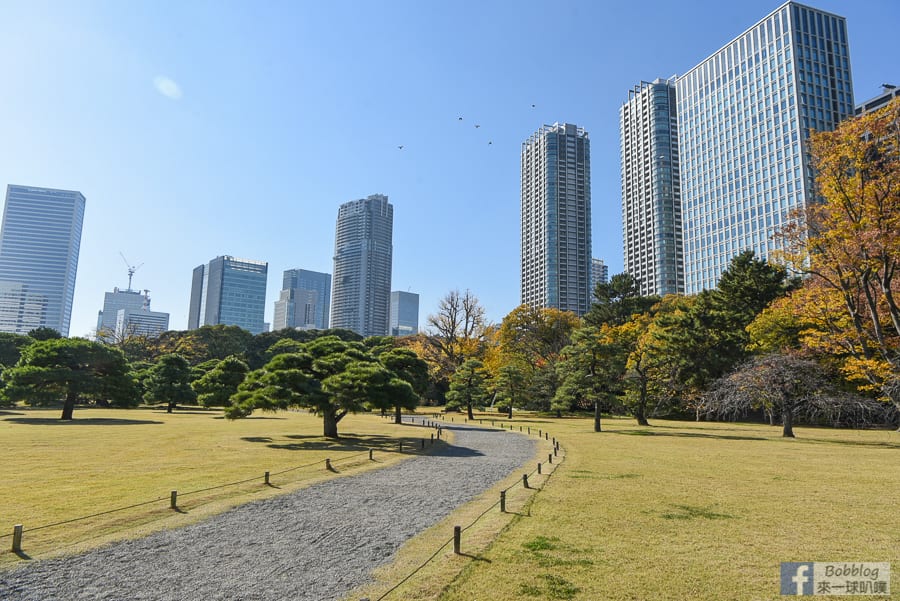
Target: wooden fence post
x=502 y=501
x=267 y=478
x=17 y=538
x=525 y=480
x=371 y=452
x=539 y=469
x=457 y=531
x=173 y=500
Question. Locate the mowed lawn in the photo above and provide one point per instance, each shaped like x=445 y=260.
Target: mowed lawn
x=105 y=459
x=688 y=510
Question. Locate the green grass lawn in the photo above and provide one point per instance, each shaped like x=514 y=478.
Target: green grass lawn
x=105 y=459
x=678 y=510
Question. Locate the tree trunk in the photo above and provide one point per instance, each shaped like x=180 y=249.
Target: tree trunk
x=330 y=421
x=640 y=410
x=597 y=416
x=69 y=406
x=469 y=408
x=171 y=407
x=787 y=417
x=559 y=413
x=510 y=410
x=398 y=417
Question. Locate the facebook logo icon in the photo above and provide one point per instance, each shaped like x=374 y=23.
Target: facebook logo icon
x=797 y=578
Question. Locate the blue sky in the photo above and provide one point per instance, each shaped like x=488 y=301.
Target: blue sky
x=198 y=129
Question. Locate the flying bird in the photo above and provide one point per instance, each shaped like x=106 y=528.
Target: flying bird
x=477 y=126
x=400 y=147
x=489 y=142
x=532 y=106
x=460 y=118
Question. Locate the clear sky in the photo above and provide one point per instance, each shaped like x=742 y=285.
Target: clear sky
x=198 y=129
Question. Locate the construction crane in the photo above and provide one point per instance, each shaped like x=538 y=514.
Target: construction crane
x=131 y=269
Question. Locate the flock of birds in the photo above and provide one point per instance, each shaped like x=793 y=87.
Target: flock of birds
x=477 y=126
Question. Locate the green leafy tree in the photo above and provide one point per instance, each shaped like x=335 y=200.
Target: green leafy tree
x=409 y=367
x=11 y=346
x=368 y=385
x=299 y=380
x=44 y=333
x=215 y=388
x=617 y=300
x=468 y=386
x=592 y=370
x=511 y=387
x=170 y=381
x=73 y=370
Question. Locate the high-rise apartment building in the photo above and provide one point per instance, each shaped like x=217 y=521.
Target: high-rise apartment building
x=113 y=302
x=556 y=218
x=39 y=244
x=304 y=300
x=229 y=291
x=744 y=117
x=404 y=313
x=599 y=274
x=363 y=251
x=651 y=195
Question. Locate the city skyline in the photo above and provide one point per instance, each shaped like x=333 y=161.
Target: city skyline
x=172 y=114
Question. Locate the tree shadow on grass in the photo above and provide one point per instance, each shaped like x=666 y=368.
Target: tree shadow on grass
x=7 y=412
x=89 y=421
x=850 y=443
x=684 y=435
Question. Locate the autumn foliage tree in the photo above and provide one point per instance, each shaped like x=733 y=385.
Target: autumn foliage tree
x=849 y=247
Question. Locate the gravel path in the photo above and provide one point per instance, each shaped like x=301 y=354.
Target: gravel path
x=317 y=543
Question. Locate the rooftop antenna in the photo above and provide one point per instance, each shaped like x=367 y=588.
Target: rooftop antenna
x=131 y=269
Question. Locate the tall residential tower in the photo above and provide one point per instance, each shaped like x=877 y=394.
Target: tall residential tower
x=744 y=116
x=363 y=250
x=39 y=243
x=651 y=196
x=229 y=291
x=556 y=218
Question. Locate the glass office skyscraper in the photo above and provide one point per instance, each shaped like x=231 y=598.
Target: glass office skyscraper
x=556 y=218
x=304 y=300
x=229 y=291
x=39 y=243
x=651 y=192
x=404 y=313
x=363 y=255
x=744 y=116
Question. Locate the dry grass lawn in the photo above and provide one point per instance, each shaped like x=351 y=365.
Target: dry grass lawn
x=677 y=511
x=106 y=459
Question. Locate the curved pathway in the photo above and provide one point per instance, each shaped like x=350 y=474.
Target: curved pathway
x=317 y=543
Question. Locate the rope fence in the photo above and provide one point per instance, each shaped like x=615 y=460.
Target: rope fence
x=457 y=530
x=19 y=529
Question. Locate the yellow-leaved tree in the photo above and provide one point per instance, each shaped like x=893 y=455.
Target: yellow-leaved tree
x=849 y=246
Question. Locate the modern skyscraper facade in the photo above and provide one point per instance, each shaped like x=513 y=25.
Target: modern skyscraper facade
x=888 y=93
x=304 y=300
x=39 y=244
x=651 y=193
x=404 y=313
x=363 y=254
x=112 y=303
x=138 y=321
x=744 y=116
x=556 y=218
x=599 y=274
x=229 y=291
